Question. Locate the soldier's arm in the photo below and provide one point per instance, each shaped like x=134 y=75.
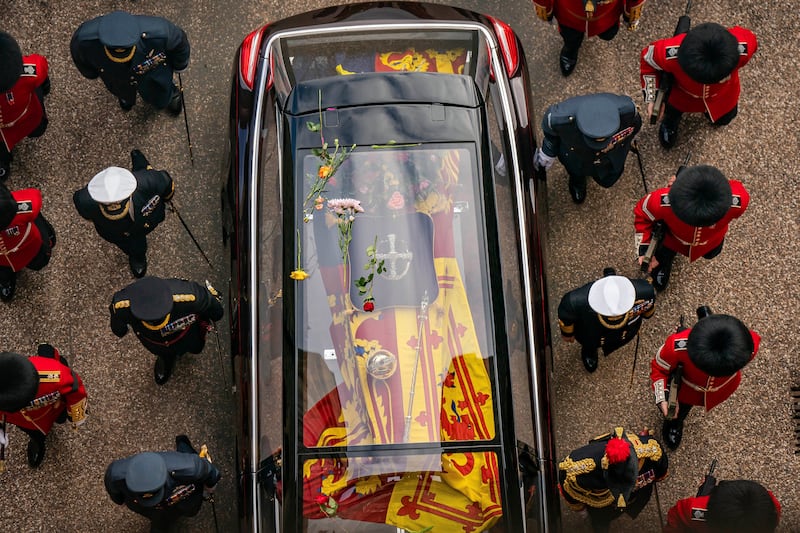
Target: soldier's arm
x=741 y=198
x=42 y=69
x=74 y=393
x=169 y=186
x=650 y=70
x=209 y=306
x=644 y=217
x=118 y=324
x=632 y=12
x=676 y=517
x=566 y=318
x=544 y=9
x=86 y=69
x=82 y=200
x=29 y=205
x=748 y=44
x=660 y=367
x=552 y=141
x=178 y=48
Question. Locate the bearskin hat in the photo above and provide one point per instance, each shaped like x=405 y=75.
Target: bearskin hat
x=19 y=381
x=741 y=506
x=620 y=467
x=10 y=62
x=708 y=53
x=8 y=207
x=720 y=345
x=701 y=195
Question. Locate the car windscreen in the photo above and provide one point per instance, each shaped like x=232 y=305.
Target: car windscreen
x=368 y=49
x=393 y=319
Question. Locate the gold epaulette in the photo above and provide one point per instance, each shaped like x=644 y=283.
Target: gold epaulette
x=646 y=450
x=183 y=297
x=574 y=468
x=122 y=304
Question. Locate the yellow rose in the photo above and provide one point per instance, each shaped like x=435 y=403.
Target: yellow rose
x=298 y=274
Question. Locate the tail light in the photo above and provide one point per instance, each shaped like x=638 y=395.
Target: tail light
x=508 y=45
x=248 y=57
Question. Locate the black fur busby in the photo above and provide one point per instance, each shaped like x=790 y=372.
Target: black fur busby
x=8 y=207
x=10 y=62
x=19 y=381
x=720 y=345
x=741 y=506
x=701 y=195
x=708 y=53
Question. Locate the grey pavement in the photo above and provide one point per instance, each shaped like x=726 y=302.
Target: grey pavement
x=751 y=434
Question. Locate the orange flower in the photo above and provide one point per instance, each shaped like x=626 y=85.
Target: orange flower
x=324 y=171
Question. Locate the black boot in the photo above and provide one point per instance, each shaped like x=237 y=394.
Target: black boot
x=567 y=60
x=125 y=105
x=577 y=189
x=163 y=369
x=8 y=285
x=660 y=275
x=175 y=102
x=672 y=433
x=36 y=450
x=184 y=445
x=138 y=266
x=139 y=161
x=589 y=358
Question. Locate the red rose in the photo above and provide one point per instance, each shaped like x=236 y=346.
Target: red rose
x=369 y=306
x=321 y=499
x=396 y=201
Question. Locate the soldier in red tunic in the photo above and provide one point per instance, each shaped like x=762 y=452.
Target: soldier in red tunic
x=35 y=393
x=695 y=207
x=23 y=86
x=739 y=505
x=26 y=237
x=577 y=18
x=705 y=65
x=710 y=357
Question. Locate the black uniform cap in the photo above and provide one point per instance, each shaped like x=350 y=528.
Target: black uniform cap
x=118 y=29
x=701 y=195
x=741 y=506
x=151 y=298
x=8 y=207
x=10 y=61
x=597 y=117
x=708 y=53
x=720 y=345
x=19 y=381
x=145 y=478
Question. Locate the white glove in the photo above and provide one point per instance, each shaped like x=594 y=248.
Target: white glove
x=3 y=438
x=541 y=159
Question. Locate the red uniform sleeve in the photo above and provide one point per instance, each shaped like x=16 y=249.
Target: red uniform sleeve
x=748 y=44
x=74 y=394
x=42 y=67
x=679 y=517
x=741 y=198
x=645 y=213
x=663 y=363
x=544 y=9
x=29 y=204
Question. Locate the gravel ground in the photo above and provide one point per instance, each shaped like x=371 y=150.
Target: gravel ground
x=751 y=434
